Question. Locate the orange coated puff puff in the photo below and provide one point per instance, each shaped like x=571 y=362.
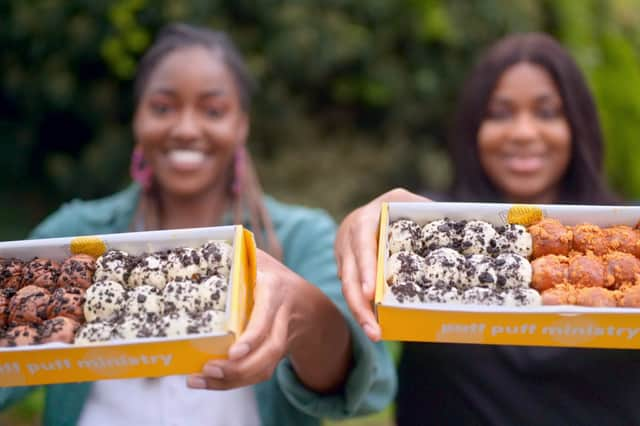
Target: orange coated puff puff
x=623 y=269
x=587 y=271
x=549 y=271
x=623 y=238
x=589 y=238
x=630 y=298
x=596 y=297
x=559 y=295
x=550 y=237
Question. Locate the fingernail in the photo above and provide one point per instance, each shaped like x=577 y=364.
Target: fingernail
x=239 y=351
x=371 y=331
x=196 y=382
x=213 y=371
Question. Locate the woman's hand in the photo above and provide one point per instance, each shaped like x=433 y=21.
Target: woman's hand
x=291 y=317
x=356 y=255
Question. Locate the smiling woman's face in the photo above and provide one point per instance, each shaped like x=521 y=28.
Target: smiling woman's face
x=524 y=142
x=189 y=121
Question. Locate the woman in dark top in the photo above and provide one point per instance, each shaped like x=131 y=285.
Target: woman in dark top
x=526 y=131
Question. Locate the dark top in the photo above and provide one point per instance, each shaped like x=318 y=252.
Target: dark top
x=464 y=384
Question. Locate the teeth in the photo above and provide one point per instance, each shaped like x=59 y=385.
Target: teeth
x=186 y=156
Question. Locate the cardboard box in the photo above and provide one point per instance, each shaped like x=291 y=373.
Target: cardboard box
x=570 y=326
x=153 y=357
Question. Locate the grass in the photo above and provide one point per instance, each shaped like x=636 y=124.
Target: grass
x=26 y=412
x=384 y=418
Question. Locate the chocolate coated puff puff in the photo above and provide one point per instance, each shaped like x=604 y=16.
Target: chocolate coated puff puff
x=550 y=237
x=41 y=272
x=623 y=238
x=630 y=297
x=77 y=271
x=29 y=306
x=4 y=310
x=548 y=271
x=20 y=335
x=11 y=273
x=561 y=295
x=586 y=271
x=67 y=302
x=58 y=329
x=595 y=296
x=587 y=237
x=622 y=269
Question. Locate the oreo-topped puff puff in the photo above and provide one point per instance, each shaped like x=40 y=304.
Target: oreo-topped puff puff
x=21 y=335
x=186 y=264
x=522 y=296
x=213 y=293
x=514 y=239
x=479 y=237
x=58 y=329
x=130 y=327
x=94 y=332
x=77 y=271
x=143 y=300
x=114 y=265
x=405 y=266
x=42 y=273
x=11 y=271
x=182 y=296
x=404 y=235
x=149 y=270
x=218 y=256
x=67 y=302
x=4 y=310
x=29 y=306
x=104 y=300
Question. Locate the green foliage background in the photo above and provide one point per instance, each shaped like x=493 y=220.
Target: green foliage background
x=354 y=97
x=364 y=88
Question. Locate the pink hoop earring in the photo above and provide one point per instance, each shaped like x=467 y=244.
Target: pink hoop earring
x=140 y=170
x=239 y=165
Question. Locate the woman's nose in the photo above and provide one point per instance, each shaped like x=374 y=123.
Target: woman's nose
x=186 y=127
x=524 y=128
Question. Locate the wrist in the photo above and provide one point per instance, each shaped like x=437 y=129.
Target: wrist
x=304 y=316
x=319 y=343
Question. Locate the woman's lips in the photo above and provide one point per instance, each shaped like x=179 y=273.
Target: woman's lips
x=524 y=164
x=186 y=159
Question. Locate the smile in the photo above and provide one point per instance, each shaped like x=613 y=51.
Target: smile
x=524 y=164
x=186 y=159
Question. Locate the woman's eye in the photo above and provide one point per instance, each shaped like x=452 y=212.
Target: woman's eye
x=160 y=109
x=214 y=112
x=499 y=114
x=549 y=113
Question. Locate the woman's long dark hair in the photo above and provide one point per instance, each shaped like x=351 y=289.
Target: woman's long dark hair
x=583 y=182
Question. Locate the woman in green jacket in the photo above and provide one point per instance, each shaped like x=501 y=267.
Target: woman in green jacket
x=302 y=356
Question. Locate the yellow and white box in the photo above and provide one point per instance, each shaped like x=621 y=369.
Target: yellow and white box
x=152 y=357
x=570 y=326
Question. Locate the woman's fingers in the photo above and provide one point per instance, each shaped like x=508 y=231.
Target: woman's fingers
x=267 y=303
x=364 y=249
x=358 y=303
x=256 y=367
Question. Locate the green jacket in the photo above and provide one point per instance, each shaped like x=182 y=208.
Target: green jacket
x=307 y=238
